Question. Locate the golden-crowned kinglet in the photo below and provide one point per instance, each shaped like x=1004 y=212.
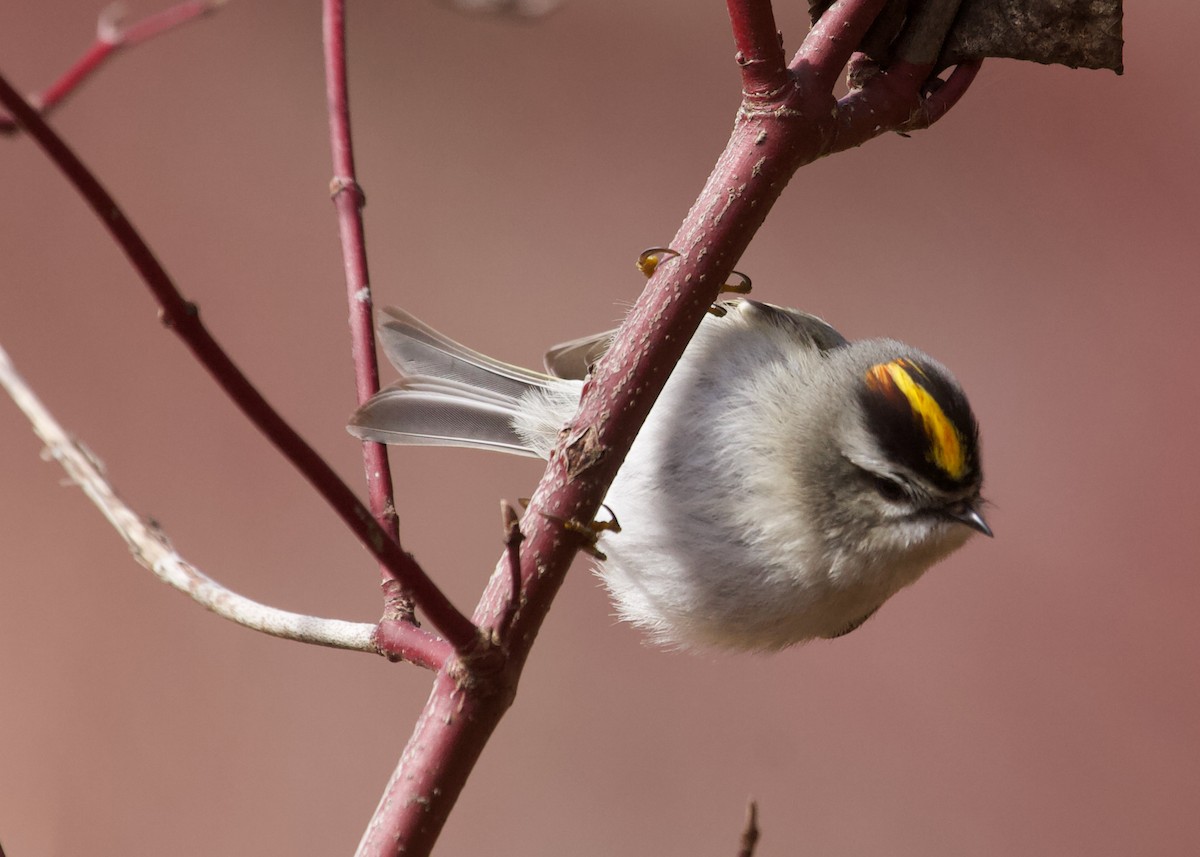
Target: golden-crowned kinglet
x=786 y=483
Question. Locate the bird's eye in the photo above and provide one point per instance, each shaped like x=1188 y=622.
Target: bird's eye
x=888 y=489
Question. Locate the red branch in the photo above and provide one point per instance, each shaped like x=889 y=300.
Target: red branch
x=184 y=318
x=111 y=37
x=759 y=47
x=401 y=640
x=891 y=100
x=348 y=200
x=832 y=40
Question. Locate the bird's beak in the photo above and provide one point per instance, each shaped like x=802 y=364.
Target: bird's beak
x=969 y=515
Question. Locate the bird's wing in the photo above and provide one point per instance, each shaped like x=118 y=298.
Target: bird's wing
x=573 y=360
x=807 y=327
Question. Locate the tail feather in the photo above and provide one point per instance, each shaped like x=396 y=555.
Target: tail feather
x=428 y=418
x=416 y=349
x=447 y=394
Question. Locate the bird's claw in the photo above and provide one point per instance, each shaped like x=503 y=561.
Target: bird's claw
x=590 y=532
x=649 y=260
x=741 y=287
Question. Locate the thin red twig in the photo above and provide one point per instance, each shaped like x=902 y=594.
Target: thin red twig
x=183 y=317
x=759 y=47
x=893 y=100
x=831 y=41
x=348 y=201
x=945 y=96
x=112 y=36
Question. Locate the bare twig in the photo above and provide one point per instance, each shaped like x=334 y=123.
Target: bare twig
x=749 y=831
x=112 y=34
x=943 y=95
x=152 y=549
x=184 y=318
x=896 y=100
x=759 y=47
x=348 y=200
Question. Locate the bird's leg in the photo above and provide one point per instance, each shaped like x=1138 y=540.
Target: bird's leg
x=590 y=532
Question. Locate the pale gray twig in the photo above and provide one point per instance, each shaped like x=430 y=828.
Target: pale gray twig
x=152 y=549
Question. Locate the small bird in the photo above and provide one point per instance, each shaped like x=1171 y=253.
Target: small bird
x=785 y=484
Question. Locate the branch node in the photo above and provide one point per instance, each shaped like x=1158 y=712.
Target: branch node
x=397 y=602
x=480 y=668
x=190 y=311
x=759 y=47
x=345 y=184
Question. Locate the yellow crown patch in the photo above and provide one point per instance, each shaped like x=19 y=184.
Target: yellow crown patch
x=945 y=442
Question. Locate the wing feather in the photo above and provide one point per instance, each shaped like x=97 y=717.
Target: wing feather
x=573 y=360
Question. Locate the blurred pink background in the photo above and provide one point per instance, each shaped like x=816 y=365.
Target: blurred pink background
x=1036 y=694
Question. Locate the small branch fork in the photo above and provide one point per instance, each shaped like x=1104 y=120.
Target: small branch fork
x=112 y=35
x=152 y=549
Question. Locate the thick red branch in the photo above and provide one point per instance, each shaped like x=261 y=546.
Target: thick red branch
x=183 y=317
x=458 y=719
